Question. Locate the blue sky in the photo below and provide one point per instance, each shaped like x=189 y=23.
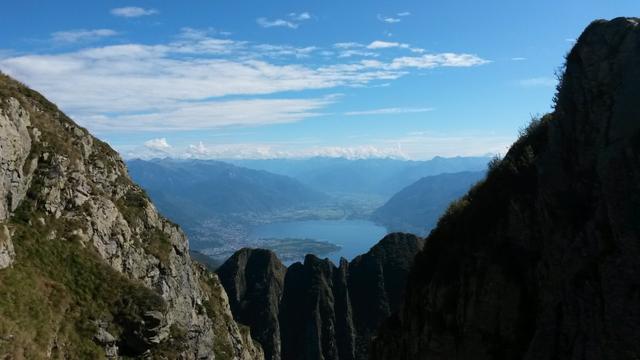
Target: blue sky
x=228 y=79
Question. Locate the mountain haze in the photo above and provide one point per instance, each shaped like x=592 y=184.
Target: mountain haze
x=417 y=208
x=194 y=190
x=382 y=177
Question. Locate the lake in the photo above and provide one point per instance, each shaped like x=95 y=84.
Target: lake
x=355 y=237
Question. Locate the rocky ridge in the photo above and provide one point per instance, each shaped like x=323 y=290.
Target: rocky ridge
x=254 y=280
x=540 y=261
x=315 y=310
x=110 y=276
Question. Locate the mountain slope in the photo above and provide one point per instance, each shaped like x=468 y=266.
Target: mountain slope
x=417 y=207
x=382 y=177
x=315 y=310
x=540 y=261
x=192 y=190
x=88 y=269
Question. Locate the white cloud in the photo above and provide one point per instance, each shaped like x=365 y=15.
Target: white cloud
x=300 y=16
x=518 y=59
x=388 y=19
x=347 y=45
x=81 y=35
x=157 y=144
x=285 y=50
x=295 y=20
x=415 y=145
x=351 y=53
x=388 y=111
x=404 y=13
x=215 y=114
x=133 y=11
x=201 y=150
x=266 y=23
x=426 y=145
x=430 y=61
x=179 y=84
x=542 y=81
x=378 y=44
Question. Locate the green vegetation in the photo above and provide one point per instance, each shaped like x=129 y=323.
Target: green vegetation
x=132 y=205
x=223 y=348
x=157 y=243
x=60 y=287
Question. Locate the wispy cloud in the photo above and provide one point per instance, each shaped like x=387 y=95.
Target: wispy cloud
x=518 y=59
x=388 y=111
x=347 y=45
x=388 y=19
x=404 y=13
x=355 y=52
x=266 y=23
x=133 y=11
x=285 y=50
x=430 y=61
x=300 y=16
x=295 y=19
x=81 y=35
x=426 y=145
x=543 y=81
x=202 y=150
x=181 y=84
x=379 y=44
x=214 y=114
x=353 y=49
x=413 y=145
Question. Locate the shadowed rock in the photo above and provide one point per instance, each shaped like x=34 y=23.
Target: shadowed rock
x=325 y=312
x=254 y=279
x=541 y=260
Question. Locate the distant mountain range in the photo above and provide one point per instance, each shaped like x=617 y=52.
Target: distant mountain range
x=417 y=208
x=189 y=191
x=383 y=177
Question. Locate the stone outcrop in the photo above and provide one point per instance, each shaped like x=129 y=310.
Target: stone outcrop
x=60 y=185
x=7 y=253
x=254 y=280
x=317 y=310
x=15 y=174
x=541 y=260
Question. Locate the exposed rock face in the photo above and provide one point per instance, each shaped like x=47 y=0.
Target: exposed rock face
x=315 y=316
x=377 y=282
x=254 y=280
x=62 y=189
x=7 y=253
x=541 y=260
x=15 y=146
x=322 y=311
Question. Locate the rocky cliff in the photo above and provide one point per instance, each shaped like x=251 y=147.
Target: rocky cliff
x=317 y=310
x=254 y=279
x=89 y=269
x=540 y=261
